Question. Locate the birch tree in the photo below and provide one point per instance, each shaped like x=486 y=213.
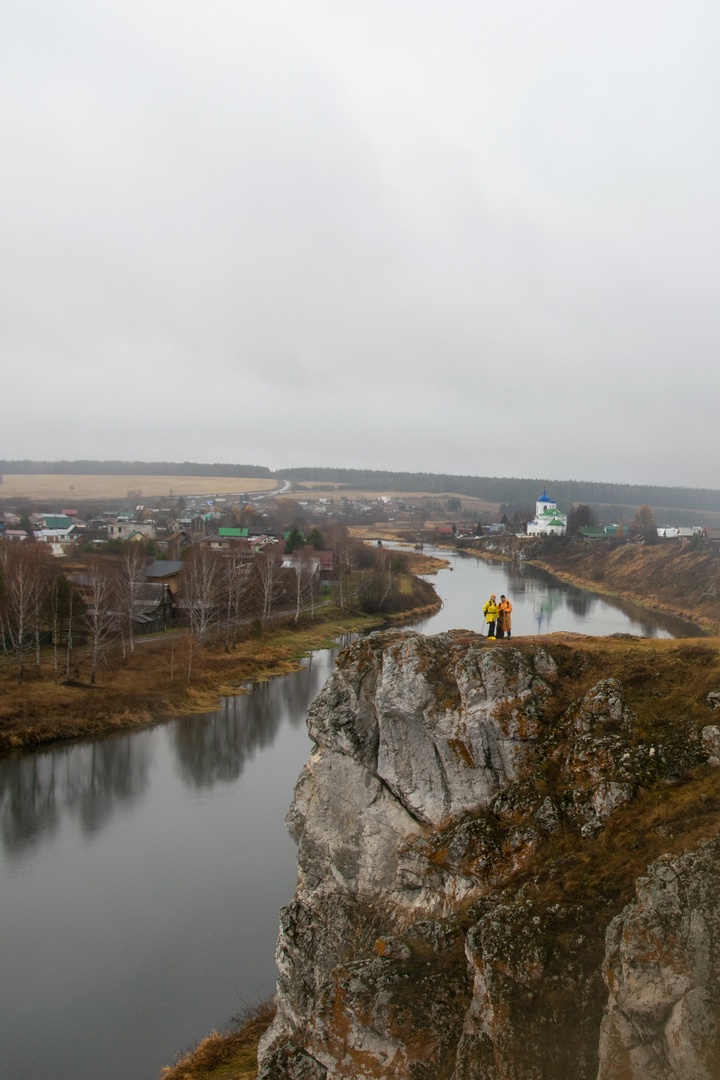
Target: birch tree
x=25 y=586
x=5 y=636
x=304 y=565
x=380 y=584
x=100 y=613
x=344 y=563
x=269 y=577
x=131 y=575
x=236 y=583
x=200 y=593
x=61 y=611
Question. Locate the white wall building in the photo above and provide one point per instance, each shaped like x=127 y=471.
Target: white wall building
x=673 y=531
x=548 y=520
x=127 y=530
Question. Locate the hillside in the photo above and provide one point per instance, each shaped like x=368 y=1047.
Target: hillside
x=507 y=865
x=668 y=577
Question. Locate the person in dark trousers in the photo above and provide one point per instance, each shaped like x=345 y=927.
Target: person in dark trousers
x=490 y=611
x=504 y=619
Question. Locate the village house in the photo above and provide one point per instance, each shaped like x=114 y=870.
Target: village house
x=152 y=601
x=597 y=532
x=165 y=572
x=225 y=538
x=323 y=562
x=122 y=529
x=175 y=543
x=673 y=532
x=54 y=528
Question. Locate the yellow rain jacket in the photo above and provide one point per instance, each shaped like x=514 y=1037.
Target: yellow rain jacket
x=490 y=610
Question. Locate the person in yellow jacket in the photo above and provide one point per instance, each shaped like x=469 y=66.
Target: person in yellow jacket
x=490 y=610
x=504 y=619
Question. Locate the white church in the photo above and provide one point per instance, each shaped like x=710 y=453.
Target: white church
x=548 y=520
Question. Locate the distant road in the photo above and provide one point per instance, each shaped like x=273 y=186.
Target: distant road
x=286 y=485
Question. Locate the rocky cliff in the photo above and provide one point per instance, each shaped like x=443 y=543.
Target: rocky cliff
x=474 y=830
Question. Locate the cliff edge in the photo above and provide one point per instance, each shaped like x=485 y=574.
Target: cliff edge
x=507 y=865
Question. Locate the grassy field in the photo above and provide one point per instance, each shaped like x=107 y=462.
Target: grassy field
x=471 y=507
x=71 y=487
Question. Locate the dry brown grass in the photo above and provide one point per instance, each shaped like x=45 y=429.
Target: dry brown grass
x=666 y=685
x=72 y=488
x=152 y=684
x=419 y=563
x=665 y=577
x=316 y=490
x=659 y=821
x=229 y=1055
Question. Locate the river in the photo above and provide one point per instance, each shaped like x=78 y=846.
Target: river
x=141 y=875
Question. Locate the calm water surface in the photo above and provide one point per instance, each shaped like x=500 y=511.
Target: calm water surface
x=141 y=875
x=140 y=882
x=541 y=605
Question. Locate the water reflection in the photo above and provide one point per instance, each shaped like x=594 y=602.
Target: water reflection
x=597 y=614
x=541 y=603
x=85 y=781
x=215 y=747
x=544 y=607
x=119 y=974
x=131 y=948
x=581 y=603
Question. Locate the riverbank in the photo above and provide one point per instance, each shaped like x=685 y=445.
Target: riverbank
x=670 y=577
x=226 y=1055
x=152 y=684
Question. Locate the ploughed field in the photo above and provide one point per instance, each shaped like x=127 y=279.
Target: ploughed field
x=72 y=486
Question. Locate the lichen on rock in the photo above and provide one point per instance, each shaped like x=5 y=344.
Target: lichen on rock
x=451 y=904
x=662 y=969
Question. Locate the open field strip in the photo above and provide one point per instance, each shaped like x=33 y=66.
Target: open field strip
x=311 y=491
x=70 y=486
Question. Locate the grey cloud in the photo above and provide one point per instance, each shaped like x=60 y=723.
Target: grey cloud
x=454 y=237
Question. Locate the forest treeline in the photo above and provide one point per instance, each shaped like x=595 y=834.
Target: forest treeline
x=512 y=492
x=132 y=468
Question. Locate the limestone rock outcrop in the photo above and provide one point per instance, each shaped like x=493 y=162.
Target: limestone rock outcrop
x=420 y=943
x=662 y=969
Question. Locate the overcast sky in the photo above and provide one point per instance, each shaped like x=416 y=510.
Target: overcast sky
x=431 y=235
